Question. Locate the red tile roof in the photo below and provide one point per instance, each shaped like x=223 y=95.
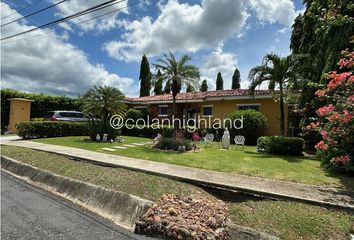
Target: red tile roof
x=199 y=95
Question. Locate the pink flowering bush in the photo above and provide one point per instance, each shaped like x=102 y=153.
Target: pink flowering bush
x=335 y=120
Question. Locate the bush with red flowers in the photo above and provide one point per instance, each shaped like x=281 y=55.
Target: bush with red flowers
x=335 y=120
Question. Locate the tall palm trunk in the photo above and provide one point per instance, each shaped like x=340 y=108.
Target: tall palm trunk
x=282 y=115
x=174 y=105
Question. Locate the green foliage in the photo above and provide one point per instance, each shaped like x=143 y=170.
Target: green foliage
x=204 y=86
x=136 y=114
x=146 y=132
x=190 y=88
x=254 y=125
x=102 y=103
x=278 y=72
x=42 y=104
x=46 y=129
x=145 y=77
x=236 y=80
x=158 y=84
x=219 y=82
x=279 y=145
x=173 y=144
x=324 y=29
x=167 y=89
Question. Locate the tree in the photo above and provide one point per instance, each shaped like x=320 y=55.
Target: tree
x=178 y=72
x=219 y=82
x=278 y=71
x=167 y=89
x=102 y=103
x=204 y=87
x=145 y=77
x=190 y=88
x=236 y=80
x=158 y=84
x=322 y=31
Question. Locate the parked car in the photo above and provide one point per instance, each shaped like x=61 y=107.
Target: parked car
x=68 y=116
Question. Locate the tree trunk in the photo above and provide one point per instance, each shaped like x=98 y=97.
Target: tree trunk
x=174 y=115
x=282 y=115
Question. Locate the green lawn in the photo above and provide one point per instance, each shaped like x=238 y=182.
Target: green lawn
x=248 y=162
x=285 y=219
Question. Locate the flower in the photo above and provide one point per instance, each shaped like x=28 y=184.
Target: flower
x=313 y=125
x=324 y=134
x=320 y=93
x=350 y=98
x=342 y=159
x=321 y=146
x=323 y=111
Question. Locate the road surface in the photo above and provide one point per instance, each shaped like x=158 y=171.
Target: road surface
x=30 y=213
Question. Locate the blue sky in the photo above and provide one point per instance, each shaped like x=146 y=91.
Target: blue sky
x=219 y=35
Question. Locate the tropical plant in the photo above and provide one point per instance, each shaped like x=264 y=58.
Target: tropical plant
x=145 y=77
x=204 y=86
x=158 y=84
x=278 y=72
x=236 y=80
x=178 y=72
x=335 y=120
x=219 y=82
x=167 y=89
x=101 y=103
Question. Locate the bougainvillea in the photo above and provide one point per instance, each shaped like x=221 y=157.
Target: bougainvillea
x=335 y=120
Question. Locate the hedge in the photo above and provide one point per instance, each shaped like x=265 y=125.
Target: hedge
x=45 y=129
x=42 y=104
x=254 y=125
x=278 y=145
x=173 y=144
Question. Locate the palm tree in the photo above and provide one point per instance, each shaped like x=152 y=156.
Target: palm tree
x=278 y=72
x=102 y=103
x=178 y=73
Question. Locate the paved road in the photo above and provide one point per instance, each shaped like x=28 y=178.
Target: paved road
x=30 y=213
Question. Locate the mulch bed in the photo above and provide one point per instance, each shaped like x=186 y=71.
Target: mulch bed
x=174 y=217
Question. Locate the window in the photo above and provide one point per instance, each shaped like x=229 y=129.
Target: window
x=208 y=110
x=248 y=107
x=163 y=110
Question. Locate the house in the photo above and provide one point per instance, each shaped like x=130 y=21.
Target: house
x=212 y=105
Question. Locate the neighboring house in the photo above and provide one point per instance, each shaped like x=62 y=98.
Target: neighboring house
x=211 y=105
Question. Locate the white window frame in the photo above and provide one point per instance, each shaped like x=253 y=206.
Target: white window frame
x=248 y=104
x=162 y=115
x=212 y=110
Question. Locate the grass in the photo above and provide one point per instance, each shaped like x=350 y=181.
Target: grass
x=248 y=162
x=288 y=220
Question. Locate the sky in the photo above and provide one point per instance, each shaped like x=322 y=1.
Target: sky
x=71 y=57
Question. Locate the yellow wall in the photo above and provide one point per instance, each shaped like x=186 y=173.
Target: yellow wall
x=268 y=107
x=20 y=110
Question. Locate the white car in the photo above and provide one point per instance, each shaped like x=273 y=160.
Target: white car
x=67 y=116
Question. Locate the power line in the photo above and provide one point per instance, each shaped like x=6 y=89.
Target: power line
x=84 y=21
x=21 y=9
x=78 y=14
x=31 y=14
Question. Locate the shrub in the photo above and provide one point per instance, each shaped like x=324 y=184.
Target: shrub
x=42 y=104
x=254 y=124
x=147 y=132
x=46 y=129
x=279 y=145
x=335 y=119
x=173 y=144
x=136 y=114
x=101 y=128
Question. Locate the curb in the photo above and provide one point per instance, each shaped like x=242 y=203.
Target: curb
x=123 y=209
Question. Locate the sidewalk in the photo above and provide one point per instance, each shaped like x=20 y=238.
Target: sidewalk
x=254 y=185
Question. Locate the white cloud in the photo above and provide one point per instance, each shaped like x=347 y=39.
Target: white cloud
x=218 y=61
x=49 y=64
x=186 y=27
x=180 y=27
x=101 y=24
x=271 y=11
